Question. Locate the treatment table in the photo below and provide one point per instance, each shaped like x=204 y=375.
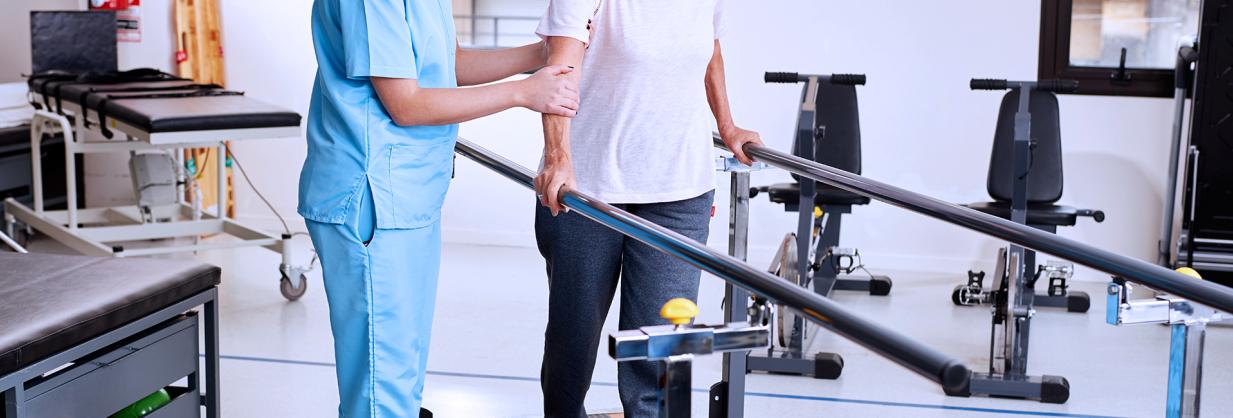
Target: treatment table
x=141 y=111
x=87 y=336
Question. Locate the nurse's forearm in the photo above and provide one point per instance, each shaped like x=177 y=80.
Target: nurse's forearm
x=410 y=105
x=717 y=91
x=485 y=66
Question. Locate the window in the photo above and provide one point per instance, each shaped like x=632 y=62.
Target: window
x=1115 y=47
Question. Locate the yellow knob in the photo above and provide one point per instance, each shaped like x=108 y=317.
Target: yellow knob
x=817 y=211
x=1190 y=272
x=679 y=311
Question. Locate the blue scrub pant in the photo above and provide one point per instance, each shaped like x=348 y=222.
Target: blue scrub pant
x=381 y=285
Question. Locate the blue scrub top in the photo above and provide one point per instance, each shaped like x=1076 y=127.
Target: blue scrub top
x=352 y=141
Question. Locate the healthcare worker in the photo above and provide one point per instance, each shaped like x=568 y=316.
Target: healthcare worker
x=381 y=133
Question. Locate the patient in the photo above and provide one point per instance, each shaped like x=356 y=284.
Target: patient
x=642 y=141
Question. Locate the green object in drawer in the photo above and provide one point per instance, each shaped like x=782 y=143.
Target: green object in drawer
x=145 y=406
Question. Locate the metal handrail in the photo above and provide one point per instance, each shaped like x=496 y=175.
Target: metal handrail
x=940 y=368
x=1135 y=270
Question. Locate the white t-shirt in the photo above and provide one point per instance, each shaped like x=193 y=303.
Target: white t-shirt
x=643 y=129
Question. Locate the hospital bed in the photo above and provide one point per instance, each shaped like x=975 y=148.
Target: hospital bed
x=87 y=336
x=143 y=112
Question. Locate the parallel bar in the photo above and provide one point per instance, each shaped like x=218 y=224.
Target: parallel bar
x=1159 y=278
x=940 y=368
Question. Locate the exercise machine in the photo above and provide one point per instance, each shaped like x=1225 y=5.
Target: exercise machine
x=1025 y=180
x=1206 y=238
x=828 y=132
x=1183 y=80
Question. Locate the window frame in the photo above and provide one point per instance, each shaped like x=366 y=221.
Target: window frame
x=1055 y=27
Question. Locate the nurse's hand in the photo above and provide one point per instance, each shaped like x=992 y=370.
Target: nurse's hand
x=550 y=91
x=553 y=181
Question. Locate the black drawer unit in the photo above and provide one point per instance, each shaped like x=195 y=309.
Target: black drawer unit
x=124 y=373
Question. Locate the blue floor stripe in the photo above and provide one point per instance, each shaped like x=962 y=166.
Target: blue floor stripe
x=749 y=394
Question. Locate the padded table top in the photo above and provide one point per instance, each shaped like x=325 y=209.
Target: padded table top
x=49 y=303
x=170 y=114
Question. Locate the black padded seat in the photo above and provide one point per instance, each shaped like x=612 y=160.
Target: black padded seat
x=49 y=303
x=1037 y=214
x=177 y=114
x=790 y=193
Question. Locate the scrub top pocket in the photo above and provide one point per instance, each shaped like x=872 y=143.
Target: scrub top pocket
x=418 y=178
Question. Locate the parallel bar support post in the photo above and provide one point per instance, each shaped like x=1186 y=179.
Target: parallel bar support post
x=675 y=383
x=1185 y=370
x=735 y=364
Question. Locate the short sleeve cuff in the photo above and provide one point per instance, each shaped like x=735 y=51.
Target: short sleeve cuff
x=407 y=71
x=583 y=36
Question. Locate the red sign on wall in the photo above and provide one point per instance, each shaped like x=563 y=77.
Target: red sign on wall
x=128 y=17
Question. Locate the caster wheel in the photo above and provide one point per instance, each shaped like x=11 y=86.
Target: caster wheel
x=293 y=293
x=880 y=285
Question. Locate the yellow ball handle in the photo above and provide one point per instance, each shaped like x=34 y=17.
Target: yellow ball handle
x=1190 y=272
x=679 y=311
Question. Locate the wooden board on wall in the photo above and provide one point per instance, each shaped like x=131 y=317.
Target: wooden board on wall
x=200 y=58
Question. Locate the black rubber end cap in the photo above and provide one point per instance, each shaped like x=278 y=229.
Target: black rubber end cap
x=286 y=236
x=719 y=405
x=880 y=285
x=1078 y=302
x=956 y=379
x=1054 y=389
x=827 y=366
x=424 y=413
x=117 y=248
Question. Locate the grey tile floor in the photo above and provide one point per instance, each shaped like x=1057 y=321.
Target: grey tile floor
x=488 y=341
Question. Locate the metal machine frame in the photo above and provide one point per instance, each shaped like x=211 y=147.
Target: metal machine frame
x=1013 y=297
x=91 y=231
x=810 y=257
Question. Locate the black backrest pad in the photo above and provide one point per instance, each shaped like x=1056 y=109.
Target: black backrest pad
x=72 y=41
x=840 y=145
x=1045 y=177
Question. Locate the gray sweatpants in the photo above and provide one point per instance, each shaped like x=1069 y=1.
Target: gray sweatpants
x=585 y=261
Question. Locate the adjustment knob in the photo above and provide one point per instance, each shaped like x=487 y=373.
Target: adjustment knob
x=679 y=311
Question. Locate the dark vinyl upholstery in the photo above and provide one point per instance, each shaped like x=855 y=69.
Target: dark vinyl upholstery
x=840 y=147
x=174 y=114
x=1045 y=177
x=49 y=303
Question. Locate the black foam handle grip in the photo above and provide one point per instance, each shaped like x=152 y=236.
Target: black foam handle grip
x=988 y=84
x=1057 y=86
x=850 y=79
x=782 y=77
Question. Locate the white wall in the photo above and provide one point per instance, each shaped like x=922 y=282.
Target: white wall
x=15 y=44
x=922 y=128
